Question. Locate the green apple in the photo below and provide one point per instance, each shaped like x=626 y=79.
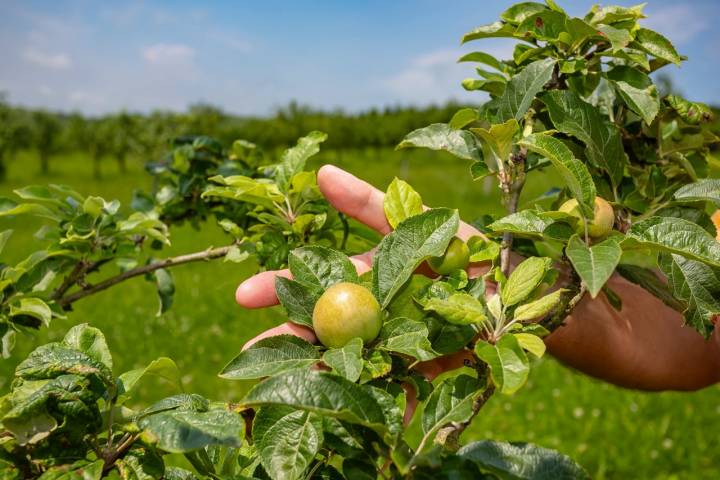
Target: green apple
x=603 y=222
x=456 y=257
x=346 y=311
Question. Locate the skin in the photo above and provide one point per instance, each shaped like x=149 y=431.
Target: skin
x=457 y=256
x=601 y=225
x=345 y=311
x=644 y=346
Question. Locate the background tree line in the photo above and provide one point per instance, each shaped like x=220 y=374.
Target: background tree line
x=123 y=135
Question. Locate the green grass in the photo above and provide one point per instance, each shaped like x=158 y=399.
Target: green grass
x=614 y=433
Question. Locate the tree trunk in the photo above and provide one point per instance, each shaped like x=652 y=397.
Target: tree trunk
x=97 y=174
x=122 y=162
x=44 y=162
x=3 y=168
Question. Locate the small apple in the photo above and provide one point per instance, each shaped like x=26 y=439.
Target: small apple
x=603 y=222
x=456 y=257
x=346 y=311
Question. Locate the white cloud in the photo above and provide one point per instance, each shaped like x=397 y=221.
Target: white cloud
x=680 y=23
x=431 y=77
x=168 y=53
x=435 y=76
x=86 y=100
x=47 y=60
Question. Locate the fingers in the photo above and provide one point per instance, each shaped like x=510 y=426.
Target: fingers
x=353 y=197
x=258 y=291
x=287 y=328
x=363 y=202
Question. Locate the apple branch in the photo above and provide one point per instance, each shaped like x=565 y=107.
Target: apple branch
x=211 y=253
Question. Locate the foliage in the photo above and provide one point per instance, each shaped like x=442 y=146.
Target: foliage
x=576 y=97
x=265 y=208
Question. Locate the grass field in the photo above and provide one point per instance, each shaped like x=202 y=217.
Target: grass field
x=614 y=433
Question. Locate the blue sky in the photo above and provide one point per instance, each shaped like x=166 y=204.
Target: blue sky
x=249 y=57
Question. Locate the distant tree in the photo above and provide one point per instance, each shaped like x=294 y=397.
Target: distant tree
x=123 y=140
x=46 y=134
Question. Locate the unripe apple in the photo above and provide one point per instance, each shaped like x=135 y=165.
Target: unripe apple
x=456 y=257
x=346 y=311
x=603 y=222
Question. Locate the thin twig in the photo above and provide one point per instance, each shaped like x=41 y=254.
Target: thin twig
x=204 y=255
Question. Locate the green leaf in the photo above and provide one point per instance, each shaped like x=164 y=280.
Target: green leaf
x=236 y=255
x=508 y=363
x=287 y=440
x=676 y=235
x=693 y=113
x=520 y=11
x=637 y=91
x=9 y=207
x=245 y=189
x=573 y=116
x=482 y=250
x=497 y=29
x=294 y=159
x=322 y=393
x=31 y=307
x=524 y=279
x=165 y=289
x=179 y=431
x=450 y=402
x=298 y=299
x=522 y=89
x=404 y=303
x=80 y=470
x=346 y=361
x=705 y=190
x=163 y=367
x=464 y=117
x=458 y=309
x=522 y=461
x=657 y=45
x=377 y=364
x=493 y=87
x=406 y=336
x=479 y=170
x=614 y=14
x=440 y=136
x=182 y=401
x=538 y=308
x=402 y=251
x=575 y=174
x=91 y=342
x=698 y=286
x=619 y=38
x=499 y=139
x=644 y=102
x=4 y=236
x=523 y=223
x=55 y=359
x=321 y=267
x=531 y=343
x=401 y=202
x=481 y=57
x=594 y=264
x=271 y=356
x=177 y=473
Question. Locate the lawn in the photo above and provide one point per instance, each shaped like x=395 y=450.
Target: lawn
x=614 y=433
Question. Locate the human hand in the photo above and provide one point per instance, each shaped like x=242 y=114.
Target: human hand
x=363 y=202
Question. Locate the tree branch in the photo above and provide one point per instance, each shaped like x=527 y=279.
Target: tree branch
x=209 y=254
x=512 y=185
